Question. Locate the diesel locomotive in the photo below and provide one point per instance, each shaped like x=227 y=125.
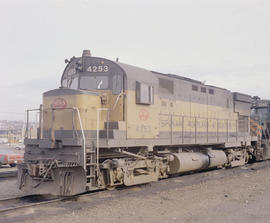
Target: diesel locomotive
x=111 y=124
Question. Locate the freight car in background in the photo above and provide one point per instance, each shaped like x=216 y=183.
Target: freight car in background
x=260 y=127
x=11 y=159
x=112 y=124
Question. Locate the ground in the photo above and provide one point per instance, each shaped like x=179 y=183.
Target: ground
x=225 y=195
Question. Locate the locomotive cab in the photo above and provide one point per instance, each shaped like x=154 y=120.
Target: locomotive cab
x=94 y=87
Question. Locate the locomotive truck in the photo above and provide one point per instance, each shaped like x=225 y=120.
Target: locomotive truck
x=110 y=124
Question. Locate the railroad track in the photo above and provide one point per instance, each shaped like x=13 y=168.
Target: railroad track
x=13 y=204
x=8 y=174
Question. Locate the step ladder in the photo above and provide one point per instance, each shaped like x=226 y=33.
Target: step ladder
x=91 y=165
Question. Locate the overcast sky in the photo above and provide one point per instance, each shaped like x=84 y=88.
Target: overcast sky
x=223 y=42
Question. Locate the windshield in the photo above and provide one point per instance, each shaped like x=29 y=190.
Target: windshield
x=90 y=73
x=72 y=82
x=261 y=111
x=94 y=82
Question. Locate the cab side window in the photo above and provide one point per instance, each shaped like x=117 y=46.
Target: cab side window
x=144 y=94
x=117 y=84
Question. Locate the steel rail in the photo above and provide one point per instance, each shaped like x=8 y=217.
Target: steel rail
x=8 y=174
x=17 y=203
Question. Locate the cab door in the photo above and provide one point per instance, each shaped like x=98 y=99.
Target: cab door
x=116 y=98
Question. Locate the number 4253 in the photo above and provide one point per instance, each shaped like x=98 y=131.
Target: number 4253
x=98 y=69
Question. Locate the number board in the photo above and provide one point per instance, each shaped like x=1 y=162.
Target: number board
x=98 y=69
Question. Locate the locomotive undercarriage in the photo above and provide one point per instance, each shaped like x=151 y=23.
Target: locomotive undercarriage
x=121 y=167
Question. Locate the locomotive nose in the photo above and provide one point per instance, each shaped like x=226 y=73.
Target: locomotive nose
x=67 y=107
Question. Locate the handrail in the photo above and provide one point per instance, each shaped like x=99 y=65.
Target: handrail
x=40 y=121
x=117 y=99
x=97 y=145
x=26 y=134
x=83 y=135
x=40 y=125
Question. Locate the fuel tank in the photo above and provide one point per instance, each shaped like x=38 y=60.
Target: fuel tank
x=192 y=161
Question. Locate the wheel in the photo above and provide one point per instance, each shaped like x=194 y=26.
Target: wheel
x=12 y=164
x=110 y=188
